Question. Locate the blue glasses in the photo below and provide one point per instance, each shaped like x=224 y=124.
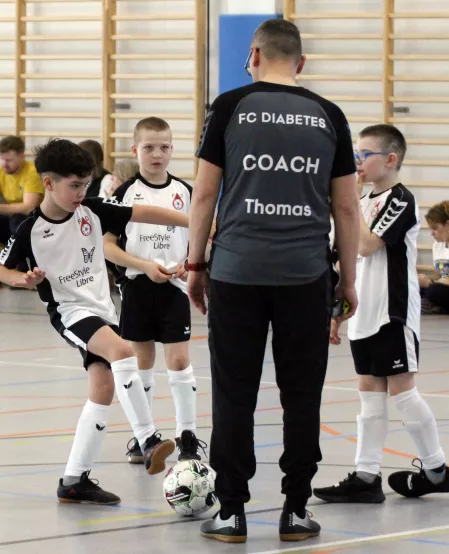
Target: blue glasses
x=365 y=154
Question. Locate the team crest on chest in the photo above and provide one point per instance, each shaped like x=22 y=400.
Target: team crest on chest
x=85 y=226
x=178 y=202
x=375 y=210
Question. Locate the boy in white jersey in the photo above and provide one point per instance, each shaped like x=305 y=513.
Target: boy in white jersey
x=155 y=306
x=63 y=241
x=384 y=333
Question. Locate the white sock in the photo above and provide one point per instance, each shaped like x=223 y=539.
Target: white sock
x=130 y=392
x=149 y=385
x=420 y=423
x=90 y=431
x=372 y=427
x=183 y=389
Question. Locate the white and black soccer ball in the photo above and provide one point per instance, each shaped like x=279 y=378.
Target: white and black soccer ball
x=189 y=488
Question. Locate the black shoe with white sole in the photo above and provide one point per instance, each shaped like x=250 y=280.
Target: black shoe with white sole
x=227 y=530
x=292 y=527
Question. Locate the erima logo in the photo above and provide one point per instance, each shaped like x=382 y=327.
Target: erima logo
x=146 y=389
x=187 y=331
x=46 y=231
x=88 y=256
x=100 y=427
x=194 y=389
x=397 y=364
x=129 y=385
x=47 y=234
x=410 y=482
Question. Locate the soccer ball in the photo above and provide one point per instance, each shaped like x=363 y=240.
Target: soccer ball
x=189 y=488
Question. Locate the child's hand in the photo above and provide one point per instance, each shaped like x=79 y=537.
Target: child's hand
x=181 y=273
x=30 y=279
x=334 y=337
x=157 y=273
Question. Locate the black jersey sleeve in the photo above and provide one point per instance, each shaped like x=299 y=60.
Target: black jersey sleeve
x=18 y=248
x=114 y=216
x=397 y=216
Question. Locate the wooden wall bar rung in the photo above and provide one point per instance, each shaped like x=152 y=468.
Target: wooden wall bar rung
x=175 y=136
x=419 y=15
x=155 y=17
x=344 y=57
x=337 y=15
x=77 y=115
x=430 y=99
x=68 y=17
x=64 y=57
x=362 y=119
x=428 y=163
x=174 y=56
x=6 y=114
x=167 y=36
x=419 y=78
x=341 y=36
x=7 y=95
x=347 y=98
x=4 y=38
x=62 y=38
x=420 y=36
x=420 y=57
x=154 y=76
x=9 y=58
x=426 y=205
x=420 y=120
x=424 y=247
x=63 y=95
x=149 y=96
x=7 y=75
x=60 y=134
x=421 y=267
x=427 y=184
x=7 y=19
x=179 y=116
x=428 y=142
x=60 y=76
x=338 y=77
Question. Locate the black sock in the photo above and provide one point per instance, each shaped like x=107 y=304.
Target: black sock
x=290 y=507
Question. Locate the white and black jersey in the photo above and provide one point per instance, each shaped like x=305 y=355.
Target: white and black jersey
x=70 y=251
x=387 y=281
x=164 y=245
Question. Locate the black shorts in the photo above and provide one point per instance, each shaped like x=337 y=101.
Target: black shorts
x=154 y=311
x=80 y=333
x=394 y=349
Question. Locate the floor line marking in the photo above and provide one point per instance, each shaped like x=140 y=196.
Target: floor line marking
x=361 y=540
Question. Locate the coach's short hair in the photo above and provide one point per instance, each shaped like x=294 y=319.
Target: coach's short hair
x=278 y=39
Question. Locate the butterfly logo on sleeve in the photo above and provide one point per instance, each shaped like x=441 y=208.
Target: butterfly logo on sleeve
x=88 y=256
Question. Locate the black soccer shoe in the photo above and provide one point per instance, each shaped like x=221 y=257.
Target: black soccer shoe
x=155 y=452
x=292 y=527
x=134 y=454
x=413 y=484
x=353 y=490
x=86 y=491
x=188 y=445
x=227 y=530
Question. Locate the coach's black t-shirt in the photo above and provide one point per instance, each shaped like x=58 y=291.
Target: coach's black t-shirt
x=279 y=147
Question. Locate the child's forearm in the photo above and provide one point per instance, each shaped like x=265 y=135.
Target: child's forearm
x=10 y=276
x=159 y=216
